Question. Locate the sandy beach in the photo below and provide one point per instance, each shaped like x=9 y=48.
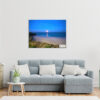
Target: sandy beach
x=50 y=40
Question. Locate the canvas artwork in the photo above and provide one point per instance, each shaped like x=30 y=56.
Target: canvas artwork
x=47 y=33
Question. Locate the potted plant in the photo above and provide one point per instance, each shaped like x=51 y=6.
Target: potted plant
x=16 y=76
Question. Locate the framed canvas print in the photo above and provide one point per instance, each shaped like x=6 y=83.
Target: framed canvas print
x=47 y=33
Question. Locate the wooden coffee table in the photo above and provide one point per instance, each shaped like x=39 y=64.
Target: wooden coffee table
x=11 y=84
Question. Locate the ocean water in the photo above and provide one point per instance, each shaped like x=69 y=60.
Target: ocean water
x=51 y=34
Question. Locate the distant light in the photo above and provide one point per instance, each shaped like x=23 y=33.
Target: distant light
x=46 y=30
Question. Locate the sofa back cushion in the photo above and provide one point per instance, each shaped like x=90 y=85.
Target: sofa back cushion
x=81 y=63
x=34 y=64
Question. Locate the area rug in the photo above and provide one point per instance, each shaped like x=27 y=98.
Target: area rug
x=49 y=98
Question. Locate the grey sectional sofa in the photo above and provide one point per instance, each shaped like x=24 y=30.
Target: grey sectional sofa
x=68 y=84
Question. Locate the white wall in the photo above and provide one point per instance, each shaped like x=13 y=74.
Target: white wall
x=0 y=24
x=83 y=30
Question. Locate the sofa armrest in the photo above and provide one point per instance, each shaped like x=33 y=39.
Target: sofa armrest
x=89 y=73
x=11 y=75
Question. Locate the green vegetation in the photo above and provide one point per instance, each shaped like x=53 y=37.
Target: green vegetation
x=16 y=73
x=34 y=44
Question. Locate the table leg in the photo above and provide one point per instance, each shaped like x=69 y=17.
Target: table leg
x=9 y=89
x=17 y=92
x=22 y=89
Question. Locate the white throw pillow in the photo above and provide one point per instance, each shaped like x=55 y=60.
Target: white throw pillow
x=47 y=69
x=70 y=69
x=23 y=69
x=81 y=71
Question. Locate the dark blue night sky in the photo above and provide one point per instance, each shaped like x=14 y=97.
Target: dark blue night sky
x=47 y=25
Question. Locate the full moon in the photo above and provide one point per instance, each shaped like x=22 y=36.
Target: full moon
x=46 y=30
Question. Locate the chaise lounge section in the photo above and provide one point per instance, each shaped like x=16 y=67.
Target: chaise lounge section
x=68 y=84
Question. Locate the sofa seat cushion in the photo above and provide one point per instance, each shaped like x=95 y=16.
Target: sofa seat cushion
x=43 y=79
x=71 y=80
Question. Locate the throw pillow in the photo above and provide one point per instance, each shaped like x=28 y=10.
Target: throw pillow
x=23 y=69
x=69 y=69
x=47 y=69
x=81 y=71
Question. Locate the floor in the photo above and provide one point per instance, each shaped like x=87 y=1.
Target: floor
x=3 y=92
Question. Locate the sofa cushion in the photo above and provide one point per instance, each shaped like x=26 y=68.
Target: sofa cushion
x=33 y=63
x=46 y=62
x=75 y=62
x=58 y=63
x=77 y=80
x=43 y=79
x=34 y=70
x=52 y=79
x=58 y=70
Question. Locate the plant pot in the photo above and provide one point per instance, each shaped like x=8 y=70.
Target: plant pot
x=16 y=79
